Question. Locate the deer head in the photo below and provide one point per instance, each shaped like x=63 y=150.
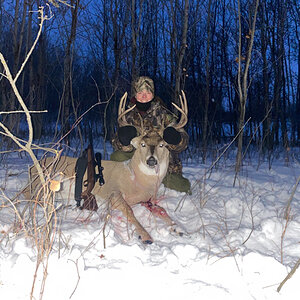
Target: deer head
x=151 y=155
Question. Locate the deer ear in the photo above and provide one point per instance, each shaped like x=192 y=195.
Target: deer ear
x=135 y=142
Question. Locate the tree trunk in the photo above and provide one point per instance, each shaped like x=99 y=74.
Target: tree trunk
x=32 y=87
x=243 y=80
x=297 y=112
x=119 y=31
x=181 y=53
x=267 y=142
x=68 y=59
x=134 y=36
x=13 y=120
x=281 y=73
x=207 y=84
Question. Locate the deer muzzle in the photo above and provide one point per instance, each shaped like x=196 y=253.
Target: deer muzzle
x=151 y=161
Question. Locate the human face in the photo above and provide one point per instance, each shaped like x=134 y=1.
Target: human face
x=144 y=96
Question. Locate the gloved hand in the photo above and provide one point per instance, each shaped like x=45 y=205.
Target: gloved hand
x=126 y=134
x=171 y=136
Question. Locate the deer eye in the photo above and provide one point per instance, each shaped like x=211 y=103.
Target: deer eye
x=161 y=145
x=143 y=144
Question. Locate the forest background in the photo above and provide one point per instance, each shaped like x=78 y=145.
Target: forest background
x=90 y=51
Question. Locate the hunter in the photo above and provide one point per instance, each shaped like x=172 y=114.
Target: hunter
x=153 y=114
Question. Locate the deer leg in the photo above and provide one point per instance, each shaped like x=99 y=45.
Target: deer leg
x=119 y=203
x=161 y=213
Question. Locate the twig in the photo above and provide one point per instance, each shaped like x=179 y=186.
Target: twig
x=252 y=220
x=43 y=18
x=44 y=233
x=180 y=203
x=22 y=111
x=79 y=119
x=12 y=81
x=103 y=232
x=282 y=238
x=289 y=275
x=14 y=208
x=78 y=279
x=33 y=146
x=287 y=210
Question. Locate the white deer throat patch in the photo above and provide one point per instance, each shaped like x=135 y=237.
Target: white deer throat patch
x=158 y=170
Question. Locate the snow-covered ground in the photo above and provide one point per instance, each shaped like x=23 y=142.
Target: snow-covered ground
x=238 y=245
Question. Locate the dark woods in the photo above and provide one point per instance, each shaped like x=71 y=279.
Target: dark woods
x=90 y=51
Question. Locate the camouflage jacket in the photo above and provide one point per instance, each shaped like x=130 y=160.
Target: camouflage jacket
x=155 y=118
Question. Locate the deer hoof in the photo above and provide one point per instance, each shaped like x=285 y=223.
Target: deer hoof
x=146 y=242
x=177 y=231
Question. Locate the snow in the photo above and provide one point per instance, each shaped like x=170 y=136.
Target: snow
x=237 y=243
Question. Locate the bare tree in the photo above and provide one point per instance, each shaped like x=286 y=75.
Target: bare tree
x=66 y=99
x=135 y=30
x=127 y=38
x=297 y=112
x=38 y=88
x=119 y=14
x=11 y=121
x=12 y=79
x=181 y=52
x=242 y=76
x=207 y=84
x=267 y=141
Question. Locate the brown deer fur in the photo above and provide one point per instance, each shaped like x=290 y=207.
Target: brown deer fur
x=134 y=181
x=126 y=183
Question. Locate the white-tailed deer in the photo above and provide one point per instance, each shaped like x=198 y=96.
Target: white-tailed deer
x=134 y=181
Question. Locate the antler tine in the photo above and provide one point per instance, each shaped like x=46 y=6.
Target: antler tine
x=183 y=110
x=122 y=112
x=122 y=103
x=140 y=129
x=184 y=102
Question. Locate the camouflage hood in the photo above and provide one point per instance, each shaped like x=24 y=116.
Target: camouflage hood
x=143 y=83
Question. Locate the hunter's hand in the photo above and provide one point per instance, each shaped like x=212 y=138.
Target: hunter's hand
x=172 y=136
x=126 y=134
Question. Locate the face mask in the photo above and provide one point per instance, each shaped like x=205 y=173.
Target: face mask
x=143 y=106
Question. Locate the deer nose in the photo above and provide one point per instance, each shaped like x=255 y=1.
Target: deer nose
x=151 y=161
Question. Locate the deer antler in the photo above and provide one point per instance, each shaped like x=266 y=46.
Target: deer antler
x=183 y=110
x=122 y=112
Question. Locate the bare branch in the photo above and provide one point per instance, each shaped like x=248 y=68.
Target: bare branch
x=22 y=111
x=28 y=146
x=43 y=19
x=289 y=275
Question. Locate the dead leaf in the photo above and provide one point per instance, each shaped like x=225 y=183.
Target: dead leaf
x=54 y=185
x=242 y=59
